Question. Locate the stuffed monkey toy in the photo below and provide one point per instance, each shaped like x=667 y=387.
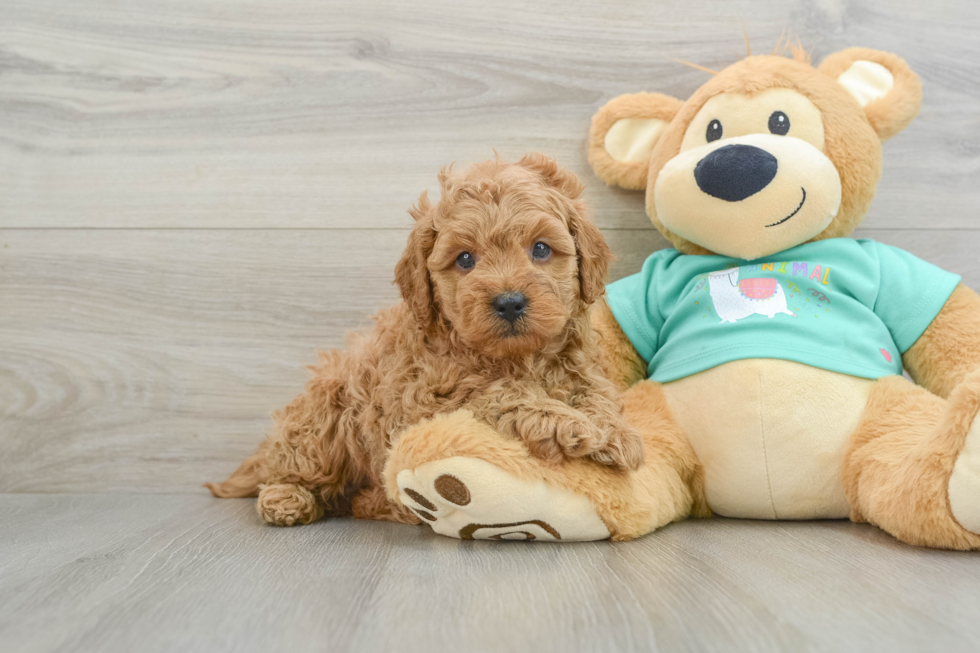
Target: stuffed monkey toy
x=762 y=356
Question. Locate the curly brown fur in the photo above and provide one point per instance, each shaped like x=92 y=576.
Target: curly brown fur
x=445 y=347
x=620 y=361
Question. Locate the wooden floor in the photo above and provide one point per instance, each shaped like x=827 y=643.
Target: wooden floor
x=187 y=573
x=196 y=194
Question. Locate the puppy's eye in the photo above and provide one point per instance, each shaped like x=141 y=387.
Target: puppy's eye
x=465 y=261
x=540 y=252
x=779 y=123
x=714 y=130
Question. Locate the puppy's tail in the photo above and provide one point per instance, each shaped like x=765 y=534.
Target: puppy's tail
x=245 y=481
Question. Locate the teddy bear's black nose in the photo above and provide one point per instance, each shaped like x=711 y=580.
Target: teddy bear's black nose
x=734 y=172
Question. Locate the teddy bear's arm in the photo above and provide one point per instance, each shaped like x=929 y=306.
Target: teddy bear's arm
x=950 y=348
x=621 y=363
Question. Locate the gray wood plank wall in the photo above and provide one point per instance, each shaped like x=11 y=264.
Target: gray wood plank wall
x=196 y=194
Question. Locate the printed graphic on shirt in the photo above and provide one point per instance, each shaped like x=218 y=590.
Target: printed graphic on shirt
x=806 y=291
x=736 y=299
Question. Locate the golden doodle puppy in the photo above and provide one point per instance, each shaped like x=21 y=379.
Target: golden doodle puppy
x=496 y=284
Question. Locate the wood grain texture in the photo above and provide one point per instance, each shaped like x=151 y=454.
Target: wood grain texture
x=149 y=360
x=197 y=194
x=230 y=113
x=166 y=573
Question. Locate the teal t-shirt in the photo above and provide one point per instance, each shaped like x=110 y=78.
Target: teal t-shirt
x=845 y=305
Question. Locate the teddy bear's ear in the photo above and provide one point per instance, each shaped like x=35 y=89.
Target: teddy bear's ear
x=623 y=134
x=882 y=83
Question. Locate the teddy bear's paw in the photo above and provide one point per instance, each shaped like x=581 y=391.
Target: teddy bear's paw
x=964 y=483
x=469 y=498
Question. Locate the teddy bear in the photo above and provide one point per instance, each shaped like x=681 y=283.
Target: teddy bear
x=757 y=180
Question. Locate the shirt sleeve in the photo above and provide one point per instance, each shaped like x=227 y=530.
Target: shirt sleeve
x=911 y=294
x=633 y=301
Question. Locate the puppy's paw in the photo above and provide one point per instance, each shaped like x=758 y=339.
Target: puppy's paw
x=559 y=432
x=624 y=450
x=286 y=504
x=578 y=436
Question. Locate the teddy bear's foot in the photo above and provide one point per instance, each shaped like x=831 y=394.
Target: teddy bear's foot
x=964 y=482
x=913 y=467
x=286 y=504
x=472 y=499
x=465 y=480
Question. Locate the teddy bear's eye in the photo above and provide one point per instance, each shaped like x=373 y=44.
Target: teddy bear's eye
x=779 y=123
x=714 y=130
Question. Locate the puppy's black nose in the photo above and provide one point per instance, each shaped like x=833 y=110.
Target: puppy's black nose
x=510 y=305
x=734 y=172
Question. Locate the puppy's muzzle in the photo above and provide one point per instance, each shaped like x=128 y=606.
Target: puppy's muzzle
x=510 y=306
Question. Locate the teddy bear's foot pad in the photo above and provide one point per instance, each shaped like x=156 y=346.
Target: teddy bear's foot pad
x=964 y=483
x=472 y=499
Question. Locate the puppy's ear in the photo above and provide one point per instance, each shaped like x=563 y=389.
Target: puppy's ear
x=594 y=255
x=624 y=133
x=882 y=83
x=562 y=179
x=411 y=273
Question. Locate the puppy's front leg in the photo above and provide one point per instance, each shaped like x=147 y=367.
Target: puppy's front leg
x=623 y=445
x=552 y=430
x=593 y=426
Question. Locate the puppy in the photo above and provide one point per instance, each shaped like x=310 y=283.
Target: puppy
x=496 y=284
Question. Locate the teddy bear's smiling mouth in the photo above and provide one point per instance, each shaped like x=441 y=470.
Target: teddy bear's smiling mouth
x=775 y=224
